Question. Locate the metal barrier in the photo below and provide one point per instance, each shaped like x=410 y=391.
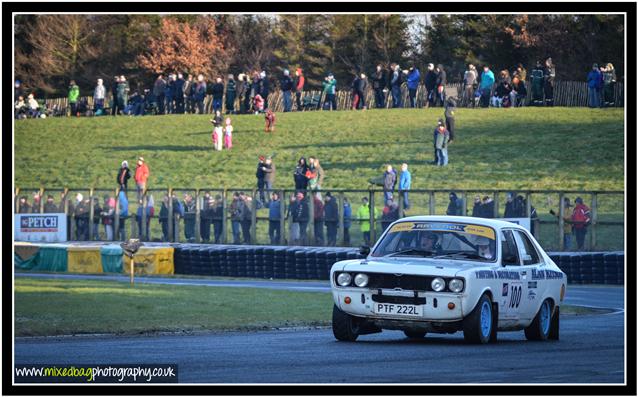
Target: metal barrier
x=207 y=218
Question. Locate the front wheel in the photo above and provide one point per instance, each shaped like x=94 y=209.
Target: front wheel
x=479 y=325
x=541 y=325
x=344 y=326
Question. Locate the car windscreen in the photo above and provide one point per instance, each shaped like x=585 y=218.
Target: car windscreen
x=462 y=241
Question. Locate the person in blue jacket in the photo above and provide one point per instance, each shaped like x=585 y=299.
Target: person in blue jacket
x=593 y=81
x=347 y=221
x=414 y=77
x=487 y=81
x=274 y=217
x=123 y=202
x=405 y=181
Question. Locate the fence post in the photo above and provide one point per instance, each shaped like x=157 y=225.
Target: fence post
x=253 y=219
x=431 y=194
x=16 y=200
x=224 y=219
x=41 y=199
x=594 y=220
x=561 y=222
x=282 y=217
x=528 y=213
x=116 y=215
x=198 y=235
x=400 y=205
x=142 y=225
x=340 y=217
x=170 y=215
x=496 y=204
x=311 y=221
x=72 y=223
x=90 y=214
x=373 y=234
x=464 y=202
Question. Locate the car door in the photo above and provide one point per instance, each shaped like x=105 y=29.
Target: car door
x=509 y=277
x=532 y=275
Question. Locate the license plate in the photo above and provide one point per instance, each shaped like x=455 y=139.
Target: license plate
x=398 y=310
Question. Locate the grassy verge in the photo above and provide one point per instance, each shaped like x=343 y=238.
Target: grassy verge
x=63 y=307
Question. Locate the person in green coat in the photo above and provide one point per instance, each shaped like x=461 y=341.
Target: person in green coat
x=122 y=93
x=329 y=86
x=74 y=95
x=363 y=215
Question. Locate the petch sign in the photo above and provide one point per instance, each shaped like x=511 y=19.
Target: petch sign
x=40 y=227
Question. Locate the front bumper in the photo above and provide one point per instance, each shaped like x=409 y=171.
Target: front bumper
x=435 y=308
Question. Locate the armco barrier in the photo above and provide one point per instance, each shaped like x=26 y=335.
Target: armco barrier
x=152 y=260
x=84 y=259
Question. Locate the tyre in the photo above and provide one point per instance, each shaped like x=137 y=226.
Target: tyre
x=555 y=326
x=344 y=326
x=479 y=326
x=415 y=334
x=541 y=325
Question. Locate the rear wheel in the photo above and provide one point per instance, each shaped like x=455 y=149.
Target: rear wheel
x=344 y=326
x=478 y=326
x=415 y=334
x=541 y=325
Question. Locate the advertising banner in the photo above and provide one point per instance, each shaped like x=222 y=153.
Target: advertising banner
x=40 y=227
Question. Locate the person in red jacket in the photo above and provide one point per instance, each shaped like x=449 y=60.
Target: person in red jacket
x=299 y=82
x=581 y=218
x=141 y=176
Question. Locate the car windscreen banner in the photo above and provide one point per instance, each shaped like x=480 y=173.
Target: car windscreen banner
x=476 y=230
x=40 y=227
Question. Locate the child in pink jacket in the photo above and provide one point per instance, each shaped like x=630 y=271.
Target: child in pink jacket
x=228 y=134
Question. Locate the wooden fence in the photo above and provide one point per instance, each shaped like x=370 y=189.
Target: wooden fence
x=566 y=93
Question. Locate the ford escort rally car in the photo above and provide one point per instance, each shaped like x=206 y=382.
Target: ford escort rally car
x=443 y=274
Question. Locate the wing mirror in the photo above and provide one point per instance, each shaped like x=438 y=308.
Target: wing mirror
x=364 y=250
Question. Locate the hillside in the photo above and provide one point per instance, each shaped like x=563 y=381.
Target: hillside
x=523 y=148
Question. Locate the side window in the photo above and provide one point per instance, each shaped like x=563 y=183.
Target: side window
x=509 y=250
x=528 y=251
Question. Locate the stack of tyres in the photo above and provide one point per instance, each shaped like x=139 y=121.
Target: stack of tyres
x=291 y=260
x=196 y=261
x=249 y=260
x=214 y=253
x=321 y=260
x=231 y=262
x=598 y=268
x=586 y=268
x=572 y=262
x=332 y=257
x=258 y=255
x=205 y=257
x=279 y=262
x=300 y=272
x=224 y=261
x=242 y=261
x=313 y=261
x=610 y=266
x=268 y=262
x=180 y=259
x=559 y=260
x=620 y=263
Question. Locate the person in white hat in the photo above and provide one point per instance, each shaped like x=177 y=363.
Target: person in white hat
x=98 y=96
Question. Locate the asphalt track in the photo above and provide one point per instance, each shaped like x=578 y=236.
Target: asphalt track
x=591 y=350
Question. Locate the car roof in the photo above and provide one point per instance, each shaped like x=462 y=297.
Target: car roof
x=495 y=223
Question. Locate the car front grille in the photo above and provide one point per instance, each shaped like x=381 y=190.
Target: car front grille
x=406 y=282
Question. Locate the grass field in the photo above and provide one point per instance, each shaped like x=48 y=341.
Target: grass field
x=522 y=148
x=64 y=307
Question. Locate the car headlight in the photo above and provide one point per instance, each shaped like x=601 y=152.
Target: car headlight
x=344 y=279
x=361 y=280
x=438 y=284
x=455 y=285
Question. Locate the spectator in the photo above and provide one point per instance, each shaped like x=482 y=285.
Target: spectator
x=441 y=81
x=23 y=205
x=258 y=105
x=141 y=176
x=98 y=98
x=261 y=180
x=581 y=218
x=378 y=85
x=537 y=84
x=609 y=79
x=405 y=182
x=218 y=131
x=228 y=134
x=218 y=217
x=477 y=208
x=294 y=226
x=361 y=90
x=395 y=84
x=74 y=94
x=159 y=91
x=299 y=83
x=231 y=91
x=18 y=90
x=122 y=93
x=301 y=216
x=286 y=85
x=450 y=108
x=264 y=88
x=107 y=214
x=549 y=74
x=178 y=94
x=504 y=76
x=519 y=92
x=169 y=93
x=485 y=88
x=218 y=94
x=567 y=224
x=123 y=204
x=520 y=72
x=255 y=88
x=331 y=219
x=200 y=93
x=270 y=121
x=593 y=79
x=123 y=175
x=470 y=83
x=271 y=171
x=97 y=210
x=430 y=84
x=114 y=105
x=81 y=214
x=315 y=178
x=150 y=211
x=33 y=106
x=501 y=96
x=363 y=215
x=300 y=179
x=487 y=207
x=389 y=181
x=20 y=108
x=512 y=207
x=600 y=87
x=49 y=206
x=241 y=92
x=246 y=216
x=442 y=137
x=347 y=221
x=329 y=90
x=190 y=209
x=164 y=219
x=455 y=206
x=206 y=217
x=414 y=78
x=318 y=218
x=35 y=207
x=390 y=214
x=274 y=219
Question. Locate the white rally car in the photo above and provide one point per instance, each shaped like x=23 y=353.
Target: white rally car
x=445 y=274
